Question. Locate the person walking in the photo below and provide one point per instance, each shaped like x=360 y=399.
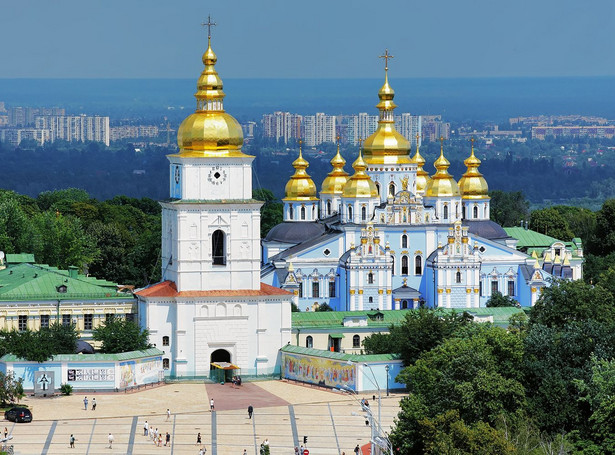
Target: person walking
x=93 y=404
x=145 y=428
x=198 y=439
x=110 y=438
x=211 y=406
x=6 y=432
x=357 y=449
x=72 y=441
x=250 y=411
x=168 y=414
x=167 y=439
x=245 y=452
x=85 y=403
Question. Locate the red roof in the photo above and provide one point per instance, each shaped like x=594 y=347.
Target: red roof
x=168 y=289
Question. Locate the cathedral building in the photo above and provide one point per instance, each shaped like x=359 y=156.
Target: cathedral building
x=390 y=236
x=211 y=308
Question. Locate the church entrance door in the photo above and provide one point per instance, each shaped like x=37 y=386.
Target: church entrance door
x=218 y=356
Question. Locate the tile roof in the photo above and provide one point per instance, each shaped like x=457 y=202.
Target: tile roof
x=528 y=238
x=168 y=289
x=357 y=358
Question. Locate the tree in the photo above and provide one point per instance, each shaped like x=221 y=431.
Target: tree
x=271 y=211
x=499 y=300
x=11 y=389
x=605 y=228
x=323 y=307
x=508 y=209
x=420 y=331
x=120 y=335
x=550 y=222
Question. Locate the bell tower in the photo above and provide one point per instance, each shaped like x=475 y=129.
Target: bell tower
x=210 y=223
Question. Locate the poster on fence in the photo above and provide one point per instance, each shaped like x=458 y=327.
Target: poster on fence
x=318 y=370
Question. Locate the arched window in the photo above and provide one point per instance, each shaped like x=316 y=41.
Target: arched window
x=457 y=210
x=370 y=278
x=404 y=304
x=165 y=341
x=218 y=247
x=404 y=241
x=463 y=211
x=404 y=265
x=363 y=213
x=350 y=213
x=445 y=212
x=458 y=277
x=370 y=300
x=418 y=265
x=378 y=188
x=165 y=364
x=392 y=190
x=303 y=212
x=309 y=342
x=291 y=212
x=356 y=341
x=485 y=211
x=475 y=212
x=328 y=207
x=315 y=289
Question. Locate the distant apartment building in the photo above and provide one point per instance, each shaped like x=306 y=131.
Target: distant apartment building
x=75 y=128
x=564 y=120
x=26 y=116
x=409 y=126
x=318 y=129
x=434 y=128
x=14 y=136
x=360 y=126
x=249 y=129
x=117 y=133
x=282 y=126
x=594 y=131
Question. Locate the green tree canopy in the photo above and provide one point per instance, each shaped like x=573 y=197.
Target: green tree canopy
x=551 y=222
x=605 y=228
x=508 y=209
x=121 y=335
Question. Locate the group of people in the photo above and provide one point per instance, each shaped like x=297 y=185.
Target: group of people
x=237 y=381
x=85 y=404
x=155 y=435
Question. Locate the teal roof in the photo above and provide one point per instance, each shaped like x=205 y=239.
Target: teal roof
x=291 y=349
x=41 y=282
x=19 y=258
x=334 y=320
x=528 y=238
x=132 y=355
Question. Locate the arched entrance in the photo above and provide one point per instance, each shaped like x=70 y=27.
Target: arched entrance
x=220 y=356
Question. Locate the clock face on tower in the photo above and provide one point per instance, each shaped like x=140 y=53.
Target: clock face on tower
x=217 y=175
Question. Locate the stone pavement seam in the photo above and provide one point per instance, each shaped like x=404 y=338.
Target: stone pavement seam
x=214 y=434
x=49 y=437
x=254 y=431
x=173 y=434
x=293 y=425
x=91 y=436
x=337 y=442
x=131 y=438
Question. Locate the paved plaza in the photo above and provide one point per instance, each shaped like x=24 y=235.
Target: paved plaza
x=283 y=413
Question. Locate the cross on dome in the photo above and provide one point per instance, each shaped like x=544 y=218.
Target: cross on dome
x=209 y=24
x=386 y=58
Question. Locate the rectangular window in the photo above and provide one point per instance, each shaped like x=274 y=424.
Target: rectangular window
x=331 y=288
x=88 y=321
x=109 y=317
x=300 y=289
x=480 y=288
x=165 y=364
x=511 y=288
x=494 y=287
x=23 y=322
x=131 y=317
x=315 y=289
x=44 y=321
x=66 y=319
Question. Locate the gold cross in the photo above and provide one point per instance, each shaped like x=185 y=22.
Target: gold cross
x=386 y=58
x=209 y=24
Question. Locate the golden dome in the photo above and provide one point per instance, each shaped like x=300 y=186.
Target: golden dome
x=422 y=176
x=442 y=183
x=210 y=131
x=360 y=184
x=386 y=145
x=337 y=178
x=300 y=187
x=472 y=184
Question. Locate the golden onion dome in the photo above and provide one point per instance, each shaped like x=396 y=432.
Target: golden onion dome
x=422 y=176
x=337 y=178
x=300 y=186
x=386 y=145
x=210 y=131
x=472 y=184
x=442 y=183
x=360 y=184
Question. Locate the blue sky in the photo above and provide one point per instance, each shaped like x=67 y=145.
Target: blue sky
x=307 y=39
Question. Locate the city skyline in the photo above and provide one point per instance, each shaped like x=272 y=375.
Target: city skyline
x=273 y=39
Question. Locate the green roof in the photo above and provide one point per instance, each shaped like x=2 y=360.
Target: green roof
x=42 y=282
x=334 y=320
x=528 y=238
x=19 y=258
x=132 y=355
x=338 y=355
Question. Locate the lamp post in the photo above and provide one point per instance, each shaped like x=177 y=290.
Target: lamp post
x=387 y=368
x=375 y=382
